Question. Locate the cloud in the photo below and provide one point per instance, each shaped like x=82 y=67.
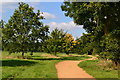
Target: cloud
x=70 y=27
x=7 y=6
x=48 y=15
x=13 y=5
x=65 y=26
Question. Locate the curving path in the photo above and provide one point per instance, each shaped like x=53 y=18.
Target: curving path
x=70 y=69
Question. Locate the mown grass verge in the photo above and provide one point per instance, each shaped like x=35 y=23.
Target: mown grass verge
x=92 y=67
x=14 y=68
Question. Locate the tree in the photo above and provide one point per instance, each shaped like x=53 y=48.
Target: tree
x=68 y=45
x=93 y=15
x=2 y=23
x=86 y=44
x=99 y=19
x=24 y=30
x=55 y=42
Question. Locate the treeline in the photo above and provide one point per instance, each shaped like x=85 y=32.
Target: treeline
x=102 y=22
x=62 y=42
x=24 y=32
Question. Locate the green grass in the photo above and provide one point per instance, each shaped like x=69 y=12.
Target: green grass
x=91 y=67
x=35 y=67
x=15 y=68
x=75 y=58
x=37 y=56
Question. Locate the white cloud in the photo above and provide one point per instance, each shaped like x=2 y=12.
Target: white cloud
x=65 y=26
x=70 y=27
x=7 y=6
x=48 y=15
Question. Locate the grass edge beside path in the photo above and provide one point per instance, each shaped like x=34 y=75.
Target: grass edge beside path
x=92 y=68
x=41 y=69
x=38 y=69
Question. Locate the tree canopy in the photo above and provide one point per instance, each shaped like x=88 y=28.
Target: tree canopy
x=55 y=42
x=24 y=30
x=101 y=21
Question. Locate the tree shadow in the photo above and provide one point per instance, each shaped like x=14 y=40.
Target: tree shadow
x=62 y=58
x=14 y=63
x=44 y=58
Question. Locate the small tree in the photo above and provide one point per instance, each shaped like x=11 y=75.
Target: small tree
x=24 y=30
x=55 y=42
x=69 y=42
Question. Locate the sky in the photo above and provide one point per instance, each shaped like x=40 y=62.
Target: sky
x=54 y=16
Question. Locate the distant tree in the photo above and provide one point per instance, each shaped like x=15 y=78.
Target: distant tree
x=68 y=45
x=77 y=47
x=24 y=30
x=2 y=23
x=55 y=42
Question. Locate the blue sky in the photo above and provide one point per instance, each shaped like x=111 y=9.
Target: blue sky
x=55 y=17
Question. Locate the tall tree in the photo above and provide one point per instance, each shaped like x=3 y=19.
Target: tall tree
x=24 y=30
x=94 y=16
x=101 y=20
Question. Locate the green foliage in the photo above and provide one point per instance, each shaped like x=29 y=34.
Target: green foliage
x=68 y=44
x=24 y=31
x=2 y=24
x=110 y=49
x=86 y=44
x=101 y=21
x=93 y=15
x=55 y=42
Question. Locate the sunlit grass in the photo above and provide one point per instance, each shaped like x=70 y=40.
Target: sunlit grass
x=91 y=67
x=35 y=66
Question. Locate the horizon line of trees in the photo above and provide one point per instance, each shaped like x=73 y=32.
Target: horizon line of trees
x=24 y=31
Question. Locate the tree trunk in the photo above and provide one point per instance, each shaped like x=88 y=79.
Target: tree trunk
x=55 y=52
x=31 y=53
x=116 y=64
x=67 y=52
x=22 y=54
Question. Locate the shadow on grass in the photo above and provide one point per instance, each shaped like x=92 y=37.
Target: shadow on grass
x=14 y=63
x=62 y=58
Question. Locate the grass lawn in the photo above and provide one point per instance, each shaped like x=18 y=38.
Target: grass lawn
x=36 y=67
x=91 y=67
x=16 y=68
